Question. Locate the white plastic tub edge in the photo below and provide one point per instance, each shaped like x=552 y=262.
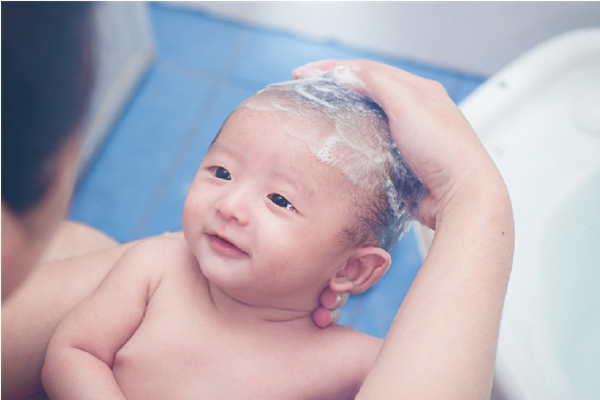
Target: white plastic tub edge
x=545 y=104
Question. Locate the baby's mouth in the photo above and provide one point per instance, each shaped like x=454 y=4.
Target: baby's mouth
x=224 y=246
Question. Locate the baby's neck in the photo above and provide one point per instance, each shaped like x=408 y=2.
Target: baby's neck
x=237 y=312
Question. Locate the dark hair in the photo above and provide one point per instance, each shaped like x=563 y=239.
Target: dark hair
x=47 y=78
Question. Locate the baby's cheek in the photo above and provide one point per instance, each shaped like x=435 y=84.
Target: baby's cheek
x=277 y=260
x=194 y=215
x=280 y=262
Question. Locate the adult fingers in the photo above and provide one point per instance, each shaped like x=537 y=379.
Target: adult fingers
x=392 y=88
x=323 y=317
x=328 y=313
x=432 y=134
x=332 y=300
x=320 y=67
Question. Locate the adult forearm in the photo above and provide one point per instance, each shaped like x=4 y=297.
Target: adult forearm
x=71 y=374
x=31 y=315
x=443 y=341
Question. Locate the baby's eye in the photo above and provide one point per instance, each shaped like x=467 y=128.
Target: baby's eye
x=222 y=173
x=281 y=201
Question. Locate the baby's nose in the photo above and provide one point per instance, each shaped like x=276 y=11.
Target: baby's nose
x=233 y=206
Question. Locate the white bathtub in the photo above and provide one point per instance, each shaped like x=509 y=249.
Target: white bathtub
x=539 y=118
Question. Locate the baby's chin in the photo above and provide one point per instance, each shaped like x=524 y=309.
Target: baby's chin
x=275 y=298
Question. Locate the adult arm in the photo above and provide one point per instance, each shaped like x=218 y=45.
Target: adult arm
x=82 y=351
x=443 y=340
x=32 y=313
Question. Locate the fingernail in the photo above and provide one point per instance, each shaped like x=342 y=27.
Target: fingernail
x=340 y=298
x=343 y=75
x=335 y=316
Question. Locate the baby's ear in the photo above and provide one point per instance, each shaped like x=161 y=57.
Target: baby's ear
x=365 y=267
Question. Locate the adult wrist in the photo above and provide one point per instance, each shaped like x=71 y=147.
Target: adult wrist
x=482 y=197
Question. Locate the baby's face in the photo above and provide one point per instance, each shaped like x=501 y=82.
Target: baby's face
x=264 y=217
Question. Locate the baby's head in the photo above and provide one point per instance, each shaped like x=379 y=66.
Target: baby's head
x=351 y=133
x=302 y=181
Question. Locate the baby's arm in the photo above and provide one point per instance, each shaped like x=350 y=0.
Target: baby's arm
x=82 y=351
x=443 y=340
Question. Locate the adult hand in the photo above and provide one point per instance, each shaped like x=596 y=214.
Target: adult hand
x=432 y=134
x=328 y=312
x=447 y=327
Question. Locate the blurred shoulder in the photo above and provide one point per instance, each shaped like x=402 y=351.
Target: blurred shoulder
x=160 y=250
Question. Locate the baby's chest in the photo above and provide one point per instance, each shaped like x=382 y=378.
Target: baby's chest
x=195 y=360
x=211 y=367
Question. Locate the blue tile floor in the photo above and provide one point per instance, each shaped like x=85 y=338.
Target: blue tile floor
x=204 y=67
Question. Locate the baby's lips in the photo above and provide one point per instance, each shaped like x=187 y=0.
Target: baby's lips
x=226 y=240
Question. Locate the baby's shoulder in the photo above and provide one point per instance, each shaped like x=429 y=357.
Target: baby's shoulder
x=364 y=347
x=350 y=353
x=158 y=255
x=170 y=263
x=160 y=249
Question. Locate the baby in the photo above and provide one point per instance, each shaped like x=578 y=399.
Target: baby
x=301 y=189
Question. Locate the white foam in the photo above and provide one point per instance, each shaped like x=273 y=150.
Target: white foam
x=347 y=131
x=345 y=76
x=339 y=133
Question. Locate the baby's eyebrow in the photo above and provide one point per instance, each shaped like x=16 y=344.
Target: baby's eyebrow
x=299 y=187
x=220 y=147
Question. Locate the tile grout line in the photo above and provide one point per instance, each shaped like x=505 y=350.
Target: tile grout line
x=205 y=109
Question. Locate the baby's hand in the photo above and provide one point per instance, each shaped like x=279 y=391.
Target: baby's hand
x=431 y=132
x=328 y=312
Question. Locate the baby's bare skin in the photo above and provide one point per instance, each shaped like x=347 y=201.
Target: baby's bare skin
x=185 y=348
x=226 y=311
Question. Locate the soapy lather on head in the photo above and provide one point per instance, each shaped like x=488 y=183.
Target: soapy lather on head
x=351 y=132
